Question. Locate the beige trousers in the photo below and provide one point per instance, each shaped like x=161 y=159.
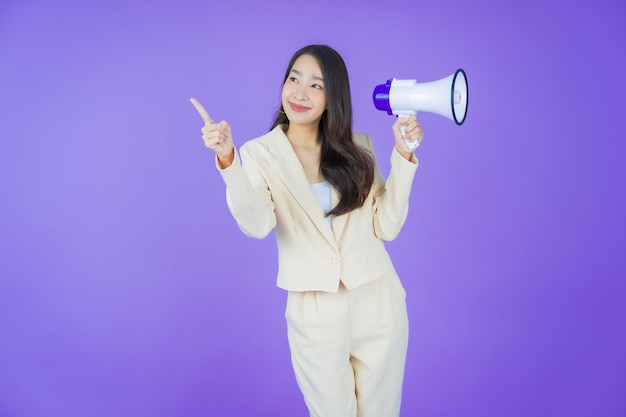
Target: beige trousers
x=348 y=349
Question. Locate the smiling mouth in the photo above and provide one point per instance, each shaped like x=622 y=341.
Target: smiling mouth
x=297 y=107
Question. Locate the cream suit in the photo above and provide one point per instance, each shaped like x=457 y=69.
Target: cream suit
x=346 y=314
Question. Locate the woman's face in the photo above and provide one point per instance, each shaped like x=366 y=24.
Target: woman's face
x=303 y=96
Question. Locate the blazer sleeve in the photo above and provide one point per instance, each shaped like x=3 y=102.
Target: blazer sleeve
x=248 y=196
x=391 y=197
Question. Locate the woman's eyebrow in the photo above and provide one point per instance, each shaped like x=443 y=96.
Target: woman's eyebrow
x=300 y=74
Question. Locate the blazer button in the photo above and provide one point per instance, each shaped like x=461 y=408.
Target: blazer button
x=335 y=259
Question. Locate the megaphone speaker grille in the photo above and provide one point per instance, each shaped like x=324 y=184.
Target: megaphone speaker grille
x=459 y=96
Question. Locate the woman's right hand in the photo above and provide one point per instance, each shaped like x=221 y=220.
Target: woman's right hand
x=216 y=136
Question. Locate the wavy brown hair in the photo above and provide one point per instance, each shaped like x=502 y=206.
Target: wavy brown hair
x=345 y=165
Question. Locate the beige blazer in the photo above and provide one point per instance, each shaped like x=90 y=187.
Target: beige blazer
x=267 y=188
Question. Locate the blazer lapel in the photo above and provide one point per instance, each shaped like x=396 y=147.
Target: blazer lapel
x=293 y=176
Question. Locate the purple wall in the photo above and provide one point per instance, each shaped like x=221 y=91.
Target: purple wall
x=126 y=288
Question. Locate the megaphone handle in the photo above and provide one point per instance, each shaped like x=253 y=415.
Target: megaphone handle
x=411 y=144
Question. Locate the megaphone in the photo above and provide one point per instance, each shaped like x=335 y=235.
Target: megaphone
x=446 y=97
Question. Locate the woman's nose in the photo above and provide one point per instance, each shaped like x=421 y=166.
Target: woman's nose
x=300 y=92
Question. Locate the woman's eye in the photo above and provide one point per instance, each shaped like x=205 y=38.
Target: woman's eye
x=293 y=79
x=317 y=86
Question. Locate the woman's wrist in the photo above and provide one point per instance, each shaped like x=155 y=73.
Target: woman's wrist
x=405 y=153
x=224 y=161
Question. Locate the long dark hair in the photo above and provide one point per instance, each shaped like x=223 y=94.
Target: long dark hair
x=345 y=165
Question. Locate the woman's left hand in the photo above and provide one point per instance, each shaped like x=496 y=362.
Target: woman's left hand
x=413 y=132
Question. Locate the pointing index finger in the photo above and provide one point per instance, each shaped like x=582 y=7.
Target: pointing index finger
x=202 y=111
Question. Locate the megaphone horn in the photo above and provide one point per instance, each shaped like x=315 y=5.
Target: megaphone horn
x=446 y=97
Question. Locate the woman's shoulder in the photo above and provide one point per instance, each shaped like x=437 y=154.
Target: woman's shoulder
x=267 y=142
x=362 y=139
x=259 y=140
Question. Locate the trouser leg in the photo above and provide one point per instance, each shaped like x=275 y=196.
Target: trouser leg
x=379 y=345
x=319 y=338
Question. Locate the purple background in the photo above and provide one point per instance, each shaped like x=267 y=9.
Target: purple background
x=127 y=289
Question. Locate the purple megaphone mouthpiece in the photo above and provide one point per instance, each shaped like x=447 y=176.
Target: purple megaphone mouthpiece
x=381 y=97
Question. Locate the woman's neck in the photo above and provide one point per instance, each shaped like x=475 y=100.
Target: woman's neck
x=307 y=147
x=303 y=136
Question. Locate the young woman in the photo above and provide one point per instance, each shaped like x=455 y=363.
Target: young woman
x=317 y=183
